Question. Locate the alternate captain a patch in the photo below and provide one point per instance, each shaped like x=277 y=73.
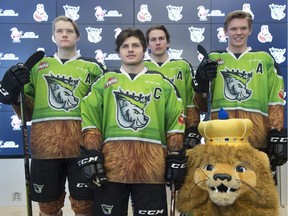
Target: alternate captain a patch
x=131 y=109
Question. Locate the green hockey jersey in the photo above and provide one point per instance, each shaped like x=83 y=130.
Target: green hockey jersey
x=250 y=82
x=145 y=108
x=57 y=88
x=180 y=72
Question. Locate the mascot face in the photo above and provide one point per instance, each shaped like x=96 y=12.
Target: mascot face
x=226 y=175
x=225 y=182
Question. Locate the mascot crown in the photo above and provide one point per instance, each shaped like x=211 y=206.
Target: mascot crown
x=233 y=132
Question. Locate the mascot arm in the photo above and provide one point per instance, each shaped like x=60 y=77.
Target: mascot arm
x=277 y=147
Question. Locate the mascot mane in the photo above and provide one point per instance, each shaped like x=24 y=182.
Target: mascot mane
x=226 y=175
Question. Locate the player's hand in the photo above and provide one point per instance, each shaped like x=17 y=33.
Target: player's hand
x=277 y=147
x=91 y=163
x=205 y=73
x=191 y=137
x=176 y=168
x=13 y=80
x=207 y=69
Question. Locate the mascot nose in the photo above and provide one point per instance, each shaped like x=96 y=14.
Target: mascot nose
x=222 y=177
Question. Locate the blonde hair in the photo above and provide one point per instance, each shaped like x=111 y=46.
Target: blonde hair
x=237 y=14
x=65 y=19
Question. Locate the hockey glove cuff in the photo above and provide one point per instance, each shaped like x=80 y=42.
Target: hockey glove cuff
x=176 y=168
x=92 y=167
x=277 y=147
x=192 y=137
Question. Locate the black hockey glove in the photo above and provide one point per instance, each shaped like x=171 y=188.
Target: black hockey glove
x=277 y=147
x=191 y=138
x=91 y=163
x=176 y=168
x=206 y=71
x=13 y=80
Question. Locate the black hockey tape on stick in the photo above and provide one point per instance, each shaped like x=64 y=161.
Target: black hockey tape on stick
x=33 y=59
x=204 y=52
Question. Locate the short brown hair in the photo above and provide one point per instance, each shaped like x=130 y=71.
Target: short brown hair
x=130 y=32
x=66 y=19
x=237 y=14
x=158 y=27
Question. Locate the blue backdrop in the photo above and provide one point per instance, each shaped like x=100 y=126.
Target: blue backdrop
x=25 y=26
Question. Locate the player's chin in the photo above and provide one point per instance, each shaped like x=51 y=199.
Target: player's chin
x=132 y=61
x=66 y=45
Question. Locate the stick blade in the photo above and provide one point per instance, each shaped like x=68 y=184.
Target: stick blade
x=203 y=51
x=33 y=59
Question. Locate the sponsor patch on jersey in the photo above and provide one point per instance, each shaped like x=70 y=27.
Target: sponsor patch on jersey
x=181 y=119
x=110 y=81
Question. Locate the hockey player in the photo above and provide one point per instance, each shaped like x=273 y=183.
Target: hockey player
x=180 y=72
x=53 y=91
x=132 y=119
x=247 y=84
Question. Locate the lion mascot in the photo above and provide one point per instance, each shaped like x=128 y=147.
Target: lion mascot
x=226 y=175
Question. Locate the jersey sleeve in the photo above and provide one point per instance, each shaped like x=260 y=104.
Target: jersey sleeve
x=29 y=88
x=175 y=119
x=189 y=89
x=91 y=107
x=275 y=83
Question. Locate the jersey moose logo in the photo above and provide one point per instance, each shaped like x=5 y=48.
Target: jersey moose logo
x=131 y=110
x=235 y=85
x=60 y=92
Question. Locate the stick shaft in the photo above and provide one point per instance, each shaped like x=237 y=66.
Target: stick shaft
x=209 y=100
x=173 y=199
x=26 y=155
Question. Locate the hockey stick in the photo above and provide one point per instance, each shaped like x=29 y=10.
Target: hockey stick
x=31 y=61
x=173 y=197
x=203 y=51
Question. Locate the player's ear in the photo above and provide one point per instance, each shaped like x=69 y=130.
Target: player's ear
x=53 y=38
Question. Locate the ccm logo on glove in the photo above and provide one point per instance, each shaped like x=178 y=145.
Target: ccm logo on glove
x=87 y=160
x=178 y=166
x=278 y=139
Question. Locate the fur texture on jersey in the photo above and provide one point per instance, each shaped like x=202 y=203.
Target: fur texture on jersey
x=59 y=139
x=133 y=161
x=227 y=179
